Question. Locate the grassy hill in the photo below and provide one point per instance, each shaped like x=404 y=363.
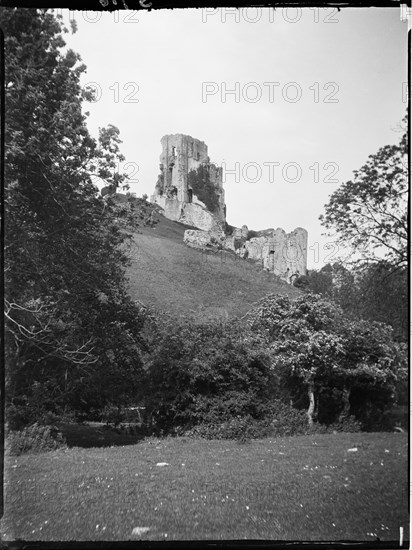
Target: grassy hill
x=167 y=274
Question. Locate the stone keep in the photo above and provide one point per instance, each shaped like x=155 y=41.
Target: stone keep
x=180 y=155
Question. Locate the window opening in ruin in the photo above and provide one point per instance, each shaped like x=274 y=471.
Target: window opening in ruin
x=174 y=152
x=190 y=195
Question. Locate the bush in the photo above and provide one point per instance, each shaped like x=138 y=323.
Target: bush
x=26 y=410
x=18 y=414
x=35 y=439
x=347 y=425
x=283 y=419
x=205 y=374
x=236 y=428
x=280 y=420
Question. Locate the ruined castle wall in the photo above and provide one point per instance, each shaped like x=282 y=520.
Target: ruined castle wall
x=173 y=209
x=283 y=254
x=195 y=215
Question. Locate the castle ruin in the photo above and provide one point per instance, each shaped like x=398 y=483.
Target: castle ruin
x=186 y=177
x=189 y=189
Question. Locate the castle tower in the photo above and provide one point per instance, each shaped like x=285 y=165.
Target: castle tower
x=189 y=187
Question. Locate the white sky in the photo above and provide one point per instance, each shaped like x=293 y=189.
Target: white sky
x=165 y=56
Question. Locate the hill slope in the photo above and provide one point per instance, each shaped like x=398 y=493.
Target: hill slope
x=167 y=274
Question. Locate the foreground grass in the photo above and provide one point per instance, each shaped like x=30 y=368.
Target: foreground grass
x=296 y=488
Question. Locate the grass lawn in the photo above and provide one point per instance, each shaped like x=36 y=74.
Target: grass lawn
x=301 y=488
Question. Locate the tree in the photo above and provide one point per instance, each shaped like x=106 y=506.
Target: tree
x=382 y=295
x=369 y=213
x=69 y=321
x=322 y=355
x=107 y=159
x=369 y=291
x=204 y=373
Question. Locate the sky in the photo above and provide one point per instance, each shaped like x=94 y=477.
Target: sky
x=314 y=93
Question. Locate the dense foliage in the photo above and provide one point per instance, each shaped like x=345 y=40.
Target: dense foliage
x=72 y=333
x=287 y=358
x=374 y=292
x=199 y=181
x=35 y=439
x=331 y=364
x=204 y=373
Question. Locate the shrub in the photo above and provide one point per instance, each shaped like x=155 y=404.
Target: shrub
x=204 y=374
x=347 y=425
x=25 y=410
x=301 y=282
x=18 y=414
x=35 y=439
x=243 y=429
x=283 y=419
x=277 y=419
x=236 y=428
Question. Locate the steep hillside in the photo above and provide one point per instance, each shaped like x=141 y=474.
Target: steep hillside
x=167 y=274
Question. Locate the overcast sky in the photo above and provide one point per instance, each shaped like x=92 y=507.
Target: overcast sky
x=335 y=91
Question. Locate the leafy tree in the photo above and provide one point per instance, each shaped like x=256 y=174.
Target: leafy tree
x=375 y=292
x=373 y=366
x=319 y=352
x=320 y=281
x=382 y=295
x=369 y=213
x=106 y=161
x=69 y=321
x=206 y=373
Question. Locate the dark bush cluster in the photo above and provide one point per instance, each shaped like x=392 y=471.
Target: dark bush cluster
x=255 y=378
x=34 y=439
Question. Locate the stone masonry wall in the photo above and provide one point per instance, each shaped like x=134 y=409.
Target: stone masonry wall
x=284 y=254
